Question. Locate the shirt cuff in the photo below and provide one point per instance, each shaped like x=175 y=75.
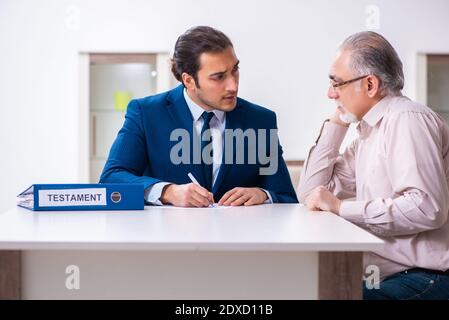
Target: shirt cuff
x=269 y=200
x=153 y=193
x=332 y=134
x=353 y=211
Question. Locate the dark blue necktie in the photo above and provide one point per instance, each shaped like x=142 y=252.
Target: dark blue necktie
x=207 y=168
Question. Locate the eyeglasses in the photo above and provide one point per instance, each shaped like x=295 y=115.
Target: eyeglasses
x=339 y=84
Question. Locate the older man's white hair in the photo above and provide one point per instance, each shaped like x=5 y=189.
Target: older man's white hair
x=372 y=54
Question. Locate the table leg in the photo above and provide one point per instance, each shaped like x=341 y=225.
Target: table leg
x=340 y=275
x=10 y=274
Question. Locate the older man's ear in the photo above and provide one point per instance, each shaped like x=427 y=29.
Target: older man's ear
x=373 y=84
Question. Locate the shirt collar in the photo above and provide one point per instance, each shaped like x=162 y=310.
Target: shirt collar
x=197 y=111
x=376 y=113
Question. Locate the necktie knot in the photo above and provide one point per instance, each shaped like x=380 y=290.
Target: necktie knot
x=207 y=116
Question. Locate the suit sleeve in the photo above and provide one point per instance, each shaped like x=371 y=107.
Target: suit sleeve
x=128 y=157
x=274 y=176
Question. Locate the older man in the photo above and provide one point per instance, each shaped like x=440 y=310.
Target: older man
x=393 y=179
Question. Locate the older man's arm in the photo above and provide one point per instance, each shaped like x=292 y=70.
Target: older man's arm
x=326 y=167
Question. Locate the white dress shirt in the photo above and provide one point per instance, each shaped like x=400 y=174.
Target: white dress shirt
x=394 y=180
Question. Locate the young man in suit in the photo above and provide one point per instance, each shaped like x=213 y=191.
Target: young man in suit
x=192 y=129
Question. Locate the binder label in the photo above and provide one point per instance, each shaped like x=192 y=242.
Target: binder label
x=72 y=197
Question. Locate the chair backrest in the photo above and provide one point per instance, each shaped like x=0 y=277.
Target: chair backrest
x=294 y=169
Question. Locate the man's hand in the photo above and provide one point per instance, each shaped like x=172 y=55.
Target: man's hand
x=243 y=196
x=186 y=195
x=322 y=199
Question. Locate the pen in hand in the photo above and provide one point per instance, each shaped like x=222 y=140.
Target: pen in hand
x=192 y=178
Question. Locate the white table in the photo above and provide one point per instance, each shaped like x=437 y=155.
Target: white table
x=287 y=228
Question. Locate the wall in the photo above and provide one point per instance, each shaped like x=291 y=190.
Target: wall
x=285 y=48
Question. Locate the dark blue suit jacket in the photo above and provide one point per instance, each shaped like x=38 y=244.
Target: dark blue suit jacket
x=141 y=151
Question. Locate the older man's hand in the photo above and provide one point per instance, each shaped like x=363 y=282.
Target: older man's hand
x=322 y=199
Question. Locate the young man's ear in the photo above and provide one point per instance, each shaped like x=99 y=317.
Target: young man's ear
x=189 y=81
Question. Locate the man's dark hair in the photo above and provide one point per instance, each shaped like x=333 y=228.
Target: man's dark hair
x=189 y=47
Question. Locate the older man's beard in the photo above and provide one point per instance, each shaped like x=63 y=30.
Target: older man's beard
x=346 y=116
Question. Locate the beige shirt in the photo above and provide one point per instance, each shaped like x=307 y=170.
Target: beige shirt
x=394 y=179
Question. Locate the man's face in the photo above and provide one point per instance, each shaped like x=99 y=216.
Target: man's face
x=352 y=96
x=218 y=81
